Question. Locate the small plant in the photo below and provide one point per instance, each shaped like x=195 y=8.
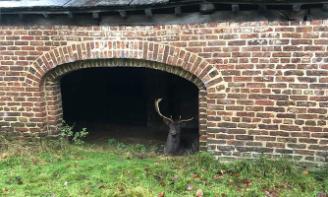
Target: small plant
x=65 y=131
x=140 y=148
x=117 y=144
x=112 y=142
x=3 y=143
x=77 y=137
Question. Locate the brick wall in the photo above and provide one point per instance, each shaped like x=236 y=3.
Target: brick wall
x=263 y=85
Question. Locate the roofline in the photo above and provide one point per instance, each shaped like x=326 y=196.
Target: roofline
x=173 y=8
x=166 y=4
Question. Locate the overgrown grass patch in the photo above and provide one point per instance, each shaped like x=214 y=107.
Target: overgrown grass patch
x=118 y=169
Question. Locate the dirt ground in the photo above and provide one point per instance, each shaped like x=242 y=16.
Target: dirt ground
x=131 y=134
x=101 y=132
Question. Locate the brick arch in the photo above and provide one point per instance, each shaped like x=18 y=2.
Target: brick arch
x=61 y=70
x=166 y=54
x=47 y=68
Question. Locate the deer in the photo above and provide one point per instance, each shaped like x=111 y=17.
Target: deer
x=172 y=145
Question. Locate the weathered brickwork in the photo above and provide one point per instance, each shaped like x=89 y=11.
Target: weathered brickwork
x=263 y=85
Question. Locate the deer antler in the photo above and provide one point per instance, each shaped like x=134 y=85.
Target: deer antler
x=157 y=101
x=185 y=120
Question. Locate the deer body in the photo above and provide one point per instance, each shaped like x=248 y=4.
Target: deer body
x=172 y=145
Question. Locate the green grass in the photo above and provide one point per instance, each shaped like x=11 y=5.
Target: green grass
x=134 y=170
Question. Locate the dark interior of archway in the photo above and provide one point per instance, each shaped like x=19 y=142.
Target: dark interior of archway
x=119 y=103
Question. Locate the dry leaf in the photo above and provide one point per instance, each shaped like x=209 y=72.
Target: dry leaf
x=247 y=182
x=199 y=193
x=189 y=187
x=305 y=172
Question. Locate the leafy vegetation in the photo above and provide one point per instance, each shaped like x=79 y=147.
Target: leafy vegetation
x=66 y=133
x=118 y=169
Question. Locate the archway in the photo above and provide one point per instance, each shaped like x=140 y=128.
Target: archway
x=44 y=73
x=63 y=74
